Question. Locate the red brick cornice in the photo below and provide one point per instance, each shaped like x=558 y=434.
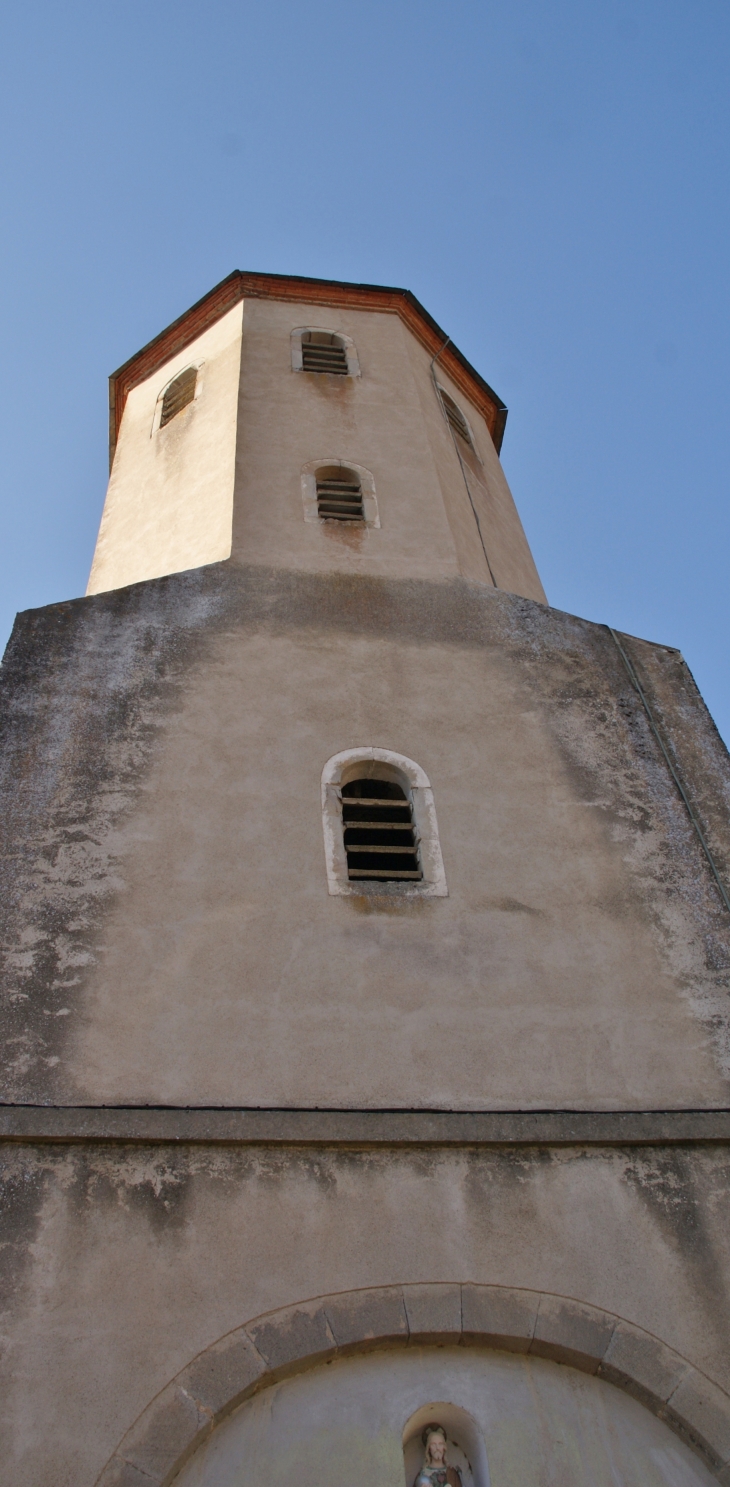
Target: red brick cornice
x=238 y=285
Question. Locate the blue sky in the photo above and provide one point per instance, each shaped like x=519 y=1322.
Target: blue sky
x=549 y=177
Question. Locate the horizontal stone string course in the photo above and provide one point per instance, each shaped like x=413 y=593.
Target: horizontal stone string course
x=283 y=1342
x=362 y=1127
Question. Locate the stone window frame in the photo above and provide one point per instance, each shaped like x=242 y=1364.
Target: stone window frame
x=352 y=764
x=198 y=365
x=297 y=359
x=367 y=486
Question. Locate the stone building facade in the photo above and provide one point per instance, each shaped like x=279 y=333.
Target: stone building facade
x=305 y=1147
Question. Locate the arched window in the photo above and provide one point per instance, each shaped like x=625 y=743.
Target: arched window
x=329 y=351
x=456 y=418
x=379 y=832
x=334 y=491
x=380 y=828
x=178 y=394
x=339 y=494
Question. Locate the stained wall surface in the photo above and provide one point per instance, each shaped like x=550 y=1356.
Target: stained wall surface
x=170 y=499
x=121 y=1263
x=169 y=933
x=541 y=1424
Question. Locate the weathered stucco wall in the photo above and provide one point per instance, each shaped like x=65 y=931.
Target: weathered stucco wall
x=387 y=420
x=121 y=1263
x=169 y=935
x=540 y=1424
x=170 y=499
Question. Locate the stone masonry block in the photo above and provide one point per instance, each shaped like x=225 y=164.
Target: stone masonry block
x=120 y=1473
x=365 y=1315
x=641 y=1364
x=220 y=1376
x=502 y=1317
x=165 y=1432
x=434 y=1312
x=290 y=1335
x=703 y=1409
x=571 y=1333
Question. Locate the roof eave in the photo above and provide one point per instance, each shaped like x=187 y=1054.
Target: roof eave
x=239 y=284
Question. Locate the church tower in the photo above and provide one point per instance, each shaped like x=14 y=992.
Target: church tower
x=366 y=937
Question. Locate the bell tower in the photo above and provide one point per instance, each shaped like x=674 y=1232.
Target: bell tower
x=365 y=921
x=369 y=384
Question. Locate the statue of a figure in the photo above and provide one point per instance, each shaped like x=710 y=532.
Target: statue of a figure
x=435 y=1472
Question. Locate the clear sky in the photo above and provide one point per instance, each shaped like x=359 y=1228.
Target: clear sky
x=550 y=178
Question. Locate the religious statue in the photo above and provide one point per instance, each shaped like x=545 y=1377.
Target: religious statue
x=435 y=1472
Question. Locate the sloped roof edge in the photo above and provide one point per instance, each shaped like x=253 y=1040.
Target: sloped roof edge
x=335 y=292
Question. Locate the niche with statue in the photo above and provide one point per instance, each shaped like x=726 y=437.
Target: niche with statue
x=443 y=1447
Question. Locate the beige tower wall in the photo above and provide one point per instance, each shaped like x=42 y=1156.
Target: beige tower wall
x=170 y=498
x=388 y=421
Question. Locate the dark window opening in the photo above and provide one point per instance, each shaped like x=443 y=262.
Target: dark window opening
x=322 y=352
x=180 y=392
x=380 y=837
x=339 y=495
x=456 y=418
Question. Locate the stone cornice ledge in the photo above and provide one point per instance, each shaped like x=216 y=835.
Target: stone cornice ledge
x=84 y=1123
x=270 y=1347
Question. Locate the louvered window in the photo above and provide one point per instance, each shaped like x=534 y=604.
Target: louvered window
x=339 y=495
x=380 y=837
x=322 y=352
x=177 y=396
x=456 y=417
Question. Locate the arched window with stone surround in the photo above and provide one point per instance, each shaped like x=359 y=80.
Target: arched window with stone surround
x=380 y=827
x=327 y=352
x=336 y=490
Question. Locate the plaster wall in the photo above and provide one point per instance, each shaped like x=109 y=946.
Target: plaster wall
x=539 y=982
x=540 y=1423
x=388 y=420
x=120 y=1264
x=170 y=498
x=169 y=934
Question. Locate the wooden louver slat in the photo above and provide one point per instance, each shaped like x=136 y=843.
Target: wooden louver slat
x=379 y=834
x=318 y=358
x=456 y=418
x=177 y=396
x=340 y=499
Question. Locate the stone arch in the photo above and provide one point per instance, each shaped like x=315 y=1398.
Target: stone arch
x=270 y=1347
